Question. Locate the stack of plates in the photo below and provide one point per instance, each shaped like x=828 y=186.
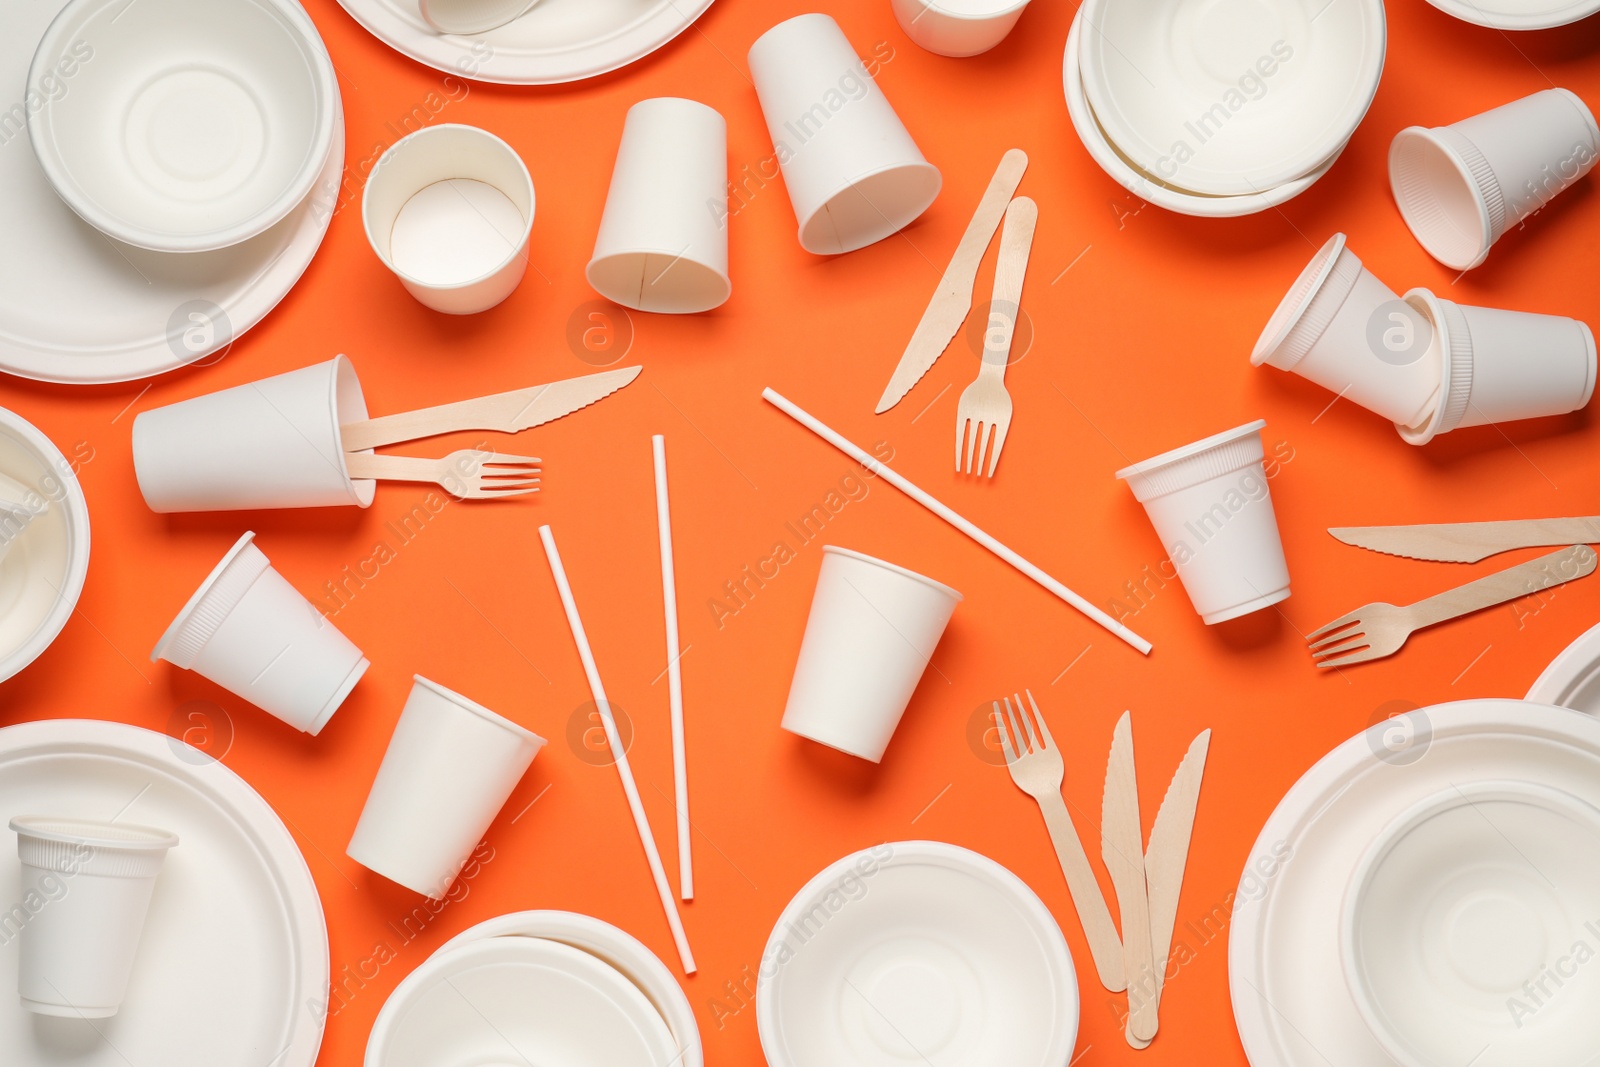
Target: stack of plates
x=538 y=987
x=1221 y=107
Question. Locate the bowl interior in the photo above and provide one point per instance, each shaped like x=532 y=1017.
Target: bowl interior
x=40 y=574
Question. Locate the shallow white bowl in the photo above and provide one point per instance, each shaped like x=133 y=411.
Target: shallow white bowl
x=43 y=570
x=181 y=126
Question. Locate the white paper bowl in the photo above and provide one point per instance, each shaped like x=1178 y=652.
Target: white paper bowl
x=957 y=28
x=44 y=568
x=185 y=126
x=1459 y=909
x=1573 y=678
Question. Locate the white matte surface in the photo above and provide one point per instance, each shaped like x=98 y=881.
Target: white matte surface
x=957 y=27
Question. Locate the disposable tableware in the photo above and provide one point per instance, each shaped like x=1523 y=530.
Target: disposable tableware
x=1122 y=851
x=669 y=597
x=1572 y=680
x=1167 y=855
x=1469 y=542
x=1518 y=14
x=467 y=473
x=985 y=406
x=472 y=16
x=958 y=27
x=1379 y=629
x=19 y=506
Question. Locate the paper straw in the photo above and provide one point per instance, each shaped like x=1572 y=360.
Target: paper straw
x=669 y=595
x=810 y=422
x=614 y=740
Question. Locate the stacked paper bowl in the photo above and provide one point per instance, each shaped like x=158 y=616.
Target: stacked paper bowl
x=1221 y=107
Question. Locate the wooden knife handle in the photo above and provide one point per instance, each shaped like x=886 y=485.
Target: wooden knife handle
x=1104 y=945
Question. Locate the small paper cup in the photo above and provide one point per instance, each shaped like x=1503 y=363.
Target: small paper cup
x=957 y=27
x=85 y=889
x=1460 y=187
x=448 y=770
x=872 y=629
x=1212 y=508
x=247 y=629
x=663 y=242
x=1500 y=366
x=853 y=173
x=275 y=443
x=1341 y=327
x=449 y=209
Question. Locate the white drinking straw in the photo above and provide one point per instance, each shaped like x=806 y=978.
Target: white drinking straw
x=669 y=594
x=810 y=422
x=619 y=754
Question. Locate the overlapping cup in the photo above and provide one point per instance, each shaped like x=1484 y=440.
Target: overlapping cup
x=962 y=28
x=872 y=629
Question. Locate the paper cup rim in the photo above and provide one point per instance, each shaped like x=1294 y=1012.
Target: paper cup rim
x=180 y=622
x=1192 y=449
x=904 y=572
x=123 y=837
x=470 y=705
x=1285 y=318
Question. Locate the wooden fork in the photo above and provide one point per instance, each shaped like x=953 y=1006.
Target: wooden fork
x=985 y=406
x=469 y=474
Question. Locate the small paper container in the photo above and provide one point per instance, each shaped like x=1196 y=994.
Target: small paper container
x=247 y=629
x=663 y=242
x=853 y=173
x=437 y=154
x=1334 y=328
x=951 y=31
x=275 y=443
x=1500 y=366
x=1212 y=509
x=872 y=629
x=92 y=884
x=448 y=770
x=1460 y=187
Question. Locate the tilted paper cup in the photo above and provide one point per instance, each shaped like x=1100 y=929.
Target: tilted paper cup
x=449 y=768
x=957 y=27
x=449 y=209
x=872 y=629
x=1341 y=327
x=1212 y=509
x=86 y=887
x=247 y=629
x=853 y=173
x=1460 y=187
x=275 y=443
x=663 y=242
x=1500 y=366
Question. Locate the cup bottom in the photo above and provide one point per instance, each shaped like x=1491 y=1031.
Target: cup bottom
x=337 y=700
x=861 y=752
x=1249 y=606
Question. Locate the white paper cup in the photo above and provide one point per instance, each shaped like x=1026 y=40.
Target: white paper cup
x=1341 y=327
x=957 y=27
x=449 y=209
x=1500 y=366
x=1212 y=508
x=247 y=629
x=872 y=629
x=1460 y=187
x=853 y=173
x=448 y=770
x=85 y=889
x=275 y=443
x=663 y=242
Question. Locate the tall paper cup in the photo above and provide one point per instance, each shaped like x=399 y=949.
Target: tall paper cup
x=247 y=629
x=1500 y=366
x=1341 y=327
x=92 y=884
x=663 y=242
x=1212 y=509
x=872 y=629
x=460 y=247
x=957 y=27
x=275 y=443
x=1460 y=187
x=448 y=770
x=853 y=172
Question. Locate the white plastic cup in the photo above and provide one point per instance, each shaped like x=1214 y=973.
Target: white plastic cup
x=1341 y=327
x=957 y=27
x=247 y=629
x=1212 y=508
x=853 y=173
x=1500 y=366
x=1460 y=187
x=449 y=768
x=872 y=629
x=275 y=443
x=449 y=209
x=86 y=887
x=663 y=241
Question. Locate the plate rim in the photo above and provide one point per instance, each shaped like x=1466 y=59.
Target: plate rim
x=1505 y=20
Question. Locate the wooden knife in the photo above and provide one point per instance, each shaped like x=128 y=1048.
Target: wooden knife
x=1468 y=542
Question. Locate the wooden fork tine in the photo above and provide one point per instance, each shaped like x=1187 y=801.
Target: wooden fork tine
x=1001 y=720
x=1355 y=657
x=1337 y=624
x=1038 y=716
x=1362 y=641
x=1000 y=429
x=1348 y=632
x=501 y=459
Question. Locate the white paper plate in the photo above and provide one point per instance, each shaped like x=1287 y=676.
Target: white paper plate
x=916 y=952
x=1518 y=14
x=558 y=41
x=1573 y=678
x=1231 y=97
x=233 y=963
x=1290 y=999
x=77 y=307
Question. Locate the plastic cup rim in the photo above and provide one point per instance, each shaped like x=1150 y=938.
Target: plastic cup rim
x=1464 y=173
x=469 y=705
x=904 y=572
x=1331 y=249
x=43 y=828
x=1430 y=305
x=1195 y=448
x=185 y=613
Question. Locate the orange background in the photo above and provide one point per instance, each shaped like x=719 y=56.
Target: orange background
x=1140 y=346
